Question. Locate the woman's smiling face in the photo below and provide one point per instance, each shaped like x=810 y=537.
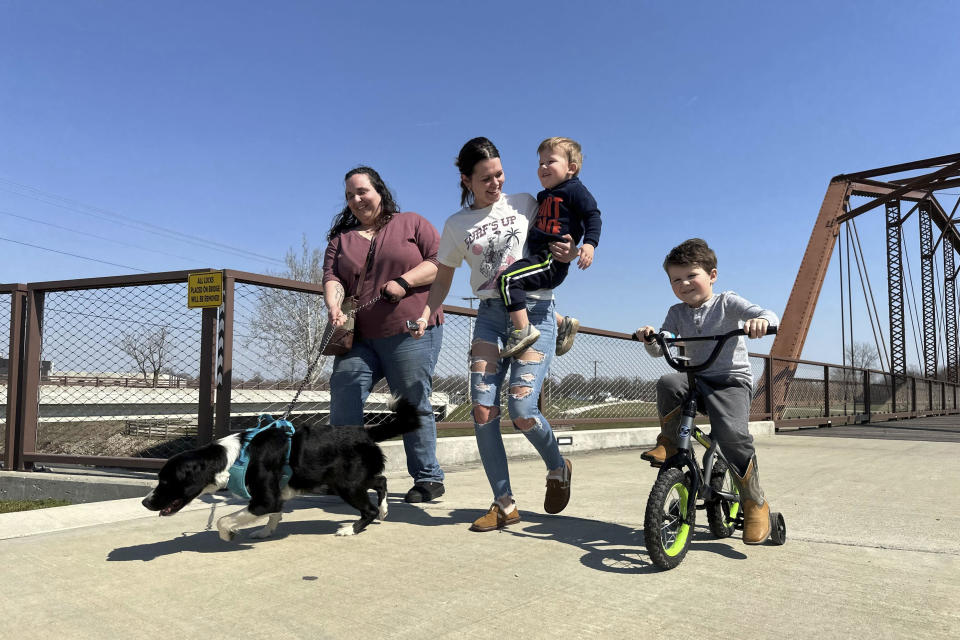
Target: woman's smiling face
x=362 y=198
x=486 y=182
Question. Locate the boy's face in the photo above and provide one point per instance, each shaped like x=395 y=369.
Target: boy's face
x=691 y=283
x=555 y=168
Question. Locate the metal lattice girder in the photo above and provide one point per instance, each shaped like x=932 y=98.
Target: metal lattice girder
x=929 y=297
x=898 y=352
x=949 y=309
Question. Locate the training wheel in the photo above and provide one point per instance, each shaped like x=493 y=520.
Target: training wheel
x=778 y=528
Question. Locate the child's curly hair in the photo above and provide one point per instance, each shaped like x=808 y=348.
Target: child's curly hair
x=693 y=252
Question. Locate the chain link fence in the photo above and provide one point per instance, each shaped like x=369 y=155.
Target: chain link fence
x=119 y=371
x=7 y=358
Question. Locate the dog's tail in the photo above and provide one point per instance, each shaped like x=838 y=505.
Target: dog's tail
x=404 y=419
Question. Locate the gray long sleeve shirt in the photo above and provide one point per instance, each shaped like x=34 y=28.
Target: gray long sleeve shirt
x=722 y=313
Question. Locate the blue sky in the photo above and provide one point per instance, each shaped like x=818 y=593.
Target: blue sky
x=231 y=124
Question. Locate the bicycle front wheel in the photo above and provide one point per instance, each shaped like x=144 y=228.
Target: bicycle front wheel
x=666 y=532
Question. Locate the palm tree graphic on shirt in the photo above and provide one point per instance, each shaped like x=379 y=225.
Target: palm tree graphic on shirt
x=494 y=260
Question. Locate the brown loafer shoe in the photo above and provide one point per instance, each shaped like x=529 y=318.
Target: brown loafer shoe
x=495 y=519
x=558 y=490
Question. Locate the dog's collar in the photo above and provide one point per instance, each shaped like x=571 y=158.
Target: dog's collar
x=238 y=470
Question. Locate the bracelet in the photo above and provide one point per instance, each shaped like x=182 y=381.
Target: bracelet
x=403 y=284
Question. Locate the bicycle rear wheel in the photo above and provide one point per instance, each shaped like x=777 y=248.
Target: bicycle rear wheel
x=666 y=532
x=721 y=513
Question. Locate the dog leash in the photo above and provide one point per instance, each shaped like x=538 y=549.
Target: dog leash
x=316 y=358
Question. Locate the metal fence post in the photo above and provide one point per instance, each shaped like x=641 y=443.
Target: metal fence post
x=29 y=396
x=866 y=393
x=826 y=391
x=18 y=299
x=225 y=359
x=207 y=378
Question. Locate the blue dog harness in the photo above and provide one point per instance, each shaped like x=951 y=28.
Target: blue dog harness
x=238 y=471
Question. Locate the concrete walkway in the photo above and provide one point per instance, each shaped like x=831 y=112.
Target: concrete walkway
x=872 y=552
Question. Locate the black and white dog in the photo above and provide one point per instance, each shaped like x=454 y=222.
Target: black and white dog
x=346 y=459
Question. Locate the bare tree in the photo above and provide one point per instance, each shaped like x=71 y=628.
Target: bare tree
x=148 y=349
x=862 y=355
x=288 y=325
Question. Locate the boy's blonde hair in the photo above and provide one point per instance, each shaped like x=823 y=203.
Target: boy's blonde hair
x=570 y=148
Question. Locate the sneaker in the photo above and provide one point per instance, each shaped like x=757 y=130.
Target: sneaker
x=566 y=332
x=424 y=492
x=495 y=518
x=519 y=340
x=558 y=489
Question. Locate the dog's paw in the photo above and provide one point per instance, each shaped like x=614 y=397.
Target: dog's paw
x=260 y=534
x=383 y=510
x=345 y=530
x=227 y=534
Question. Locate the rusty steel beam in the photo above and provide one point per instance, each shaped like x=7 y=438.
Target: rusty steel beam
x=937 y=186
x=802 y=302
x=939 y=161
x=919 y=183
x=876 y=188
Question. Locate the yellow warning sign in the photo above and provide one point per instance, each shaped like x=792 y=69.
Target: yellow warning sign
x=204 y=289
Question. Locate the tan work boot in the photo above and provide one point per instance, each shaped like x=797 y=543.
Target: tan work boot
x=756 y=510
x=664 y=448
x=659 y=454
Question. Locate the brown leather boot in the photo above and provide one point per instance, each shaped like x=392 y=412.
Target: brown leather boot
x=756 y=510
x=664 y=448
x=659 y=453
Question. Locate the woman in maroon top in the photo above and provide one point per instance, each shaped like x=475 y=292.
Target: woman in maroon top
x=403 y=266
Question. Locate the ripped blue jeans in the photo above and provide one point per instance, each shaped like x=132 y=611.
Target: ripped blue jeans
x=492 y=325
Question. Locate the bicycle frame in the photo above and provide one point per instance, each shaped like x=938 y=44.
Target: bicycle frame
x=684 y=458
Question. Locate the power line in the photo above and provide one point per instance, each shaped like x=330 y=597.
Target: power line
x=73 y=255
x=93 y=235
x=117 y=218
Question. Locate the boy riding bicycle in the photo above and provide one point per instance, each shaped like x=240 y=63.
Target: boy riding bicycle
x=726 y=386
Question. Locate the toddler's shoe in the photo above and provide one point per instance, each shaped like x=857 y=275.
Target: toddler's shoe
x=566 y=332
x=558 y=489
x=519 y=340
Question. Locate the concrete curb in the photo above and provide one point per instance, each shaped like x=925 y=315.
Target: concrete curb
x=463 y=450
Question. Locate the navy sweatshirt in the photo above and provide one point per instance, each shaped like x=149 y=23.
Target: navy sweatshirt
x=567 y=208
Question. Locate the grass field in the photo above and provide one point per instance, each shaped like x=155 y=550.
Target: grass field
x=10 y=506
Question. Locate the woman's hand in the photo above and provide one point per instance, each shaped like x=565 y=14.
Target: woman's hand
x=392 y=291
x=564 y=251
x=335 y=316
x=420 y=330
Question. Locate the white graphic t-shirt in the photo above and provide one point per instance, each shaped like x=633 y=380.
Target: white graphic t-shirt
x=490 y=240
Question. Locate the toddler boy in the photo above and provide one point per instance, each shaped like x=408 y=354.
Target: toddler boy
x=566 y=207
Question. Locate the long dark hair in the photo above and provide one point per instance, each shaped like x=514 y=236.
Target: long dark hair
x=476 y=150
x=345 y=220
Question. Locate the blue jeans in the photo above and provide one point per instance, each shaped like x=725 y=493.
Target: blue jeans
x=492 y=325
x=407 y=364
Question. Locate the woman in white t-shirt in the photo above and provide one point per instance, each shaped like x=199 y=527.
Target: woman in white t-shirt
x=490 y=233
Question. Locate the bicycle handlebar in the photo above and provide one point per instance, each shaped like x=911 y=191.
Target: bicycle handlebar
x=721 y=339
